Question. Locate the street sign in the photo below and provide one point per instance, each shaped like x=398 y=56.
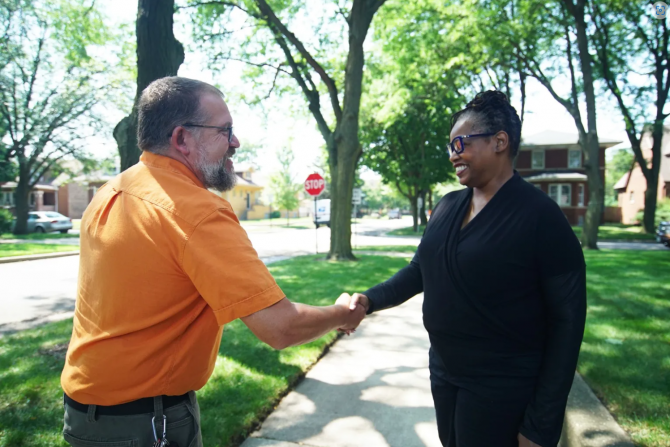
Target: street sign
x=315 y=184
x=357 y=197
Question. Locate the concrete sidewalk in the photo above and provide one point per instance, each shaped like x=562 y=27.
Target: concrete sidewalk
x=372 y=389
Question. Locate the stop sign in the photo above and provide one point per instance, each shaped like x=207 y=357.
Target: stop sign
x=315 y=184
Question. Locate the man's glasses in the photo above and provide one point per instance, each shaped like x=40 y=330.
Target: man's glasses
x=457 y=147
x=228 y=129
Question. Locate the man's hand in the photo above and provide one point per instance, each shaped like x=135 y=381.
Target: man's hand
x=525 y=442
x=356 y=313
x=359 y=298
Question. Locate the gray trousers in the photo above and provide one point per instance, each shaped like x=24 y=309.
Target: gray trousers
x=90 y=430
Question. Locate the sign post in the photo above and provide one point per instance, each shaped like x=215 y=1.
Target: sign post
x=356 y=199
x=314 y=186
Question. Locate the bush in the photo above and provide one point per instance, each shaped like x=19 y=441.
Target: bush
x=275 y=215
x=5 y=221
x=662 y=212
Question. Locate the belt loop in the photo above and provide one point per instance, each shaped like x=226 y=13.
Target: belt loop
x=90 y=414
x=158 y=408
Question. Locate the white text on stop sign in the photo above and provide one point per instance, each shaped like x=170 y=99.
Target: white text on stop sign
x=314 y=184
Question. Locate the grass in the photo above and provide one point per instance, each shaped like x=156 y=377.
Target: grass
x=248 y=380
x=299 y=223
x=619 y=232
x=608 y=232
x=38 y=236
x=7 y=250
x=408 y=231
x=409 y=249
x=625 y=356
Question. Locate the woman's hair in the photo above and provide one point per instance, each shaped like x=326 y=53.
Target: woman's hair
x=491 y=112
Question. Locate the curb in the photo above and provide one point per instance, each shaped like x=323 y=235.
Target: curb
x=588 y=423
x=38 y=257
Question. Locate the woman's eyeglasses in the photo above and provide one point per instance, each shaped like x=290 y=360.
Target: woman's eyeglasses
x=457 y=147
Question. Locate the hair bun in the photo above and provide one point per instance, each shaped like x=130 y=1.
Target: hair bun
x=488 y=99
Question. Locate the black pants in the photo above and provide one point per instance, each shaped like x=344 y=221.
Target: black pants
x=466 y=419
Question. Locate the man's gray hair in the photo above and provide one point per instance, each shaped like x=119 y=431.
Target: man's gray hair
x=165 y=104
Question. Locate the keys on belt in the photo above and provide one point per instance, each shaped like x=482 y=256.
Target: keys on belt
x=162 y=441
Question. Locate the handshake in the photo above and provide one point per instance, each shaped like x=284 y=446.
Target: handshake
x=357 y=307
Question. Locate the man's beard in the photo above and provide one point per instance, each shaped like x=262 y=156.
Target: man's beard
x=215 y=175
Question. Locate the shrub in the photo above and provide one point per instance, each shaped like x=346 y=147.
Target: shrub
x=275 y=215
x=662 y=212
x=5 y=221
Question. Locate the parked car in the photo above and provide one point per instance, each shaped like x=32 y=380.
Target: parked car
x=394 y=214
x=47 y=222
x=663 y=233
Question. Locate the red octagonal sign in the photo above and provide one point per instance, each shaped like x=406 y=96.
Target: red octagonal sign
x=315 y=184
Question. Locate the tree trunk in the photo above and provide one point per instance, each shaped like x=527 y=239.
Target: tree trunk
x=596 y=192
x=22 y=204
x=589 y=137
x=422 y=210
x=415 y=213
x=342 y=178
x=159 y=54
x=651 y=194
x=346 y=142
x=430 y=200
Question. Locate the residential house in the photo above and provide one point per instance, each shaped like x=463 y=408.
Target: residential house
x=75 y=194
x=554 y=162
x=632 y=186
x=245 y=198
x=43 y=197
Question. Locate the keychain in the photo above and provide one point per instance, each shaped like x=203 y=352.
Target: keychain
x=162 y=442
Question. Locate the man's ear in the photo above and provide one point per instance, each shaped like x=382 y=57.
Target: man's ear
x=178 y=141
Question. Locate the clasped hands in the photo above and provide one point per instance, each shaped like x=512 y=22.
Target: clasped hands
x=357 y=305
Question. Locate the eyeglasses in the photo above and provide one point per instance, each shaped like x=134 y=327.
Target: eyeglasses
x=457 y=147
x=228 y=129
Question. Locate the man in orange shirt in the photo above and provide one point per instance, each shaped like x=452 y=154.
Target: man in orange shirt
x=164 y=266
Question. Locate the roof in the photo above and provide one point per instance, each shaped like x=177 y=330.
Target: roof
x=561 y=139
x=38 y=187
x=623 y=182
x=567 y=176
x=241 y=181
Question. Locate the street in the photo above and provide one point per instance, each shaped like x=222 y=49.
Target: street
x=44 y=290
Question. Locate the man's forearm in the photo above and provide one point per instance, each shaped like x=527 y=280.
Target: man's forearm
x=308 y=323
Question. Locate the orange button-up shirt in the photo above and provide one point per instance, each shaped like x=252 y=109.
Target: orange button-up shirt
x=164 y=265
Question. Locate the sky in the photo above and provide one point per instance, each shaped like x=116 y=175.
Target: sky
x=275 y=130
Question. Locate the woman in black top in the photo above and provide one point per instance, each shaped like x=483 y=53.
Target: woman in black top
x=504 y=285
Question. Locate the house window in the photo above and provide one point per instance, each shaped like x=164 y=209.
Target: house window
x=575 y=158
x=32 y=199
x=632 y=197
x=538 y=160
x=561 y=194
x=7 y=198
x=581 y=195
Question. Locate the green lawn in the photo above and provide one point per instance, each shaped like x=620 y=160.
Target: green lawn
x=618 y=232
x=248 y=381
x=410 y=249
x=38 y=236
x=7 y=250
x=408 y=231
x=625 y=356
x=299 y=223
x=608 y=232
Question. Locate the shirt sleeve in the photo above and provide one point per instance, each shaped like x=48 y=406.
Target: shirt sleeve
x=563 y=283
x=402 y=286
x=226 y=270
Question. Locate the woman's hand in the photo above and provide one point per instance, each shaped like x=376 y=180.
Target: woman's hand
x=525 y=442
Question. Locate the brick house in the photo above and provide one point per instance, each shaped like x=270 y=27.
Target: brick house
x=632 y=186
x=554 y=162
x=43 y=197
